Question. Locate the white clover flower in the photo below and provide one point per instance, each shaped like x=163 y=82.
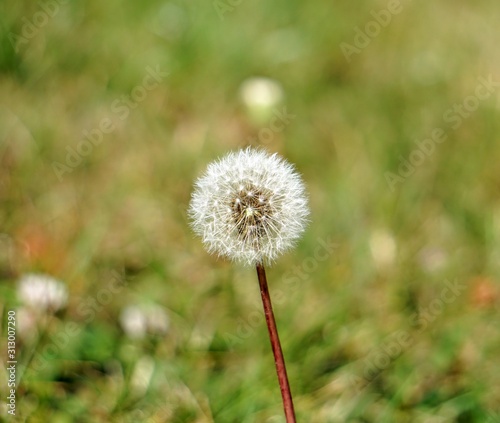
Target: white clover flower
x=261 y=96
x=42 y=291
x=249 y=206
x=137 y=320
x=261 y=92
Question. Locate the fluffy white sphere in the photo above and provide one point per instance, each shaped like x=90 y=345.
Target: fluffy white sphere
x=249 y=206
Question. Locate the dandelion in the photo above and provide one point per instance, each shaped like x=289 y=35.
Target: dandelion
x=42 y=292
x=251 y=207
x=41 y=295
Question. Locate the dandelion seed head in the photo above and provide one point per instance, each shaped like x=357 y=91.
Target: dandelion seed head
x=259 y=206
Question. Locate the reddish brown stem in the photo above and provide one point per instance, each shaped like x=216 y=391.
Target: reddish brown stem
x=279 y=360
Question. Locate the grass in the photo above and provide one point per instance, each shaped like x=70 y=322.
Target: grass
x=122 y=210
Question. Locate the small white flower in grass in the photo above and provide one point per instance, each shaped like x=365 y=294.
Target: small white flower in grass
x=261 y=92
x=261 y=96
x=249 y=206
x=133 y=322
x=138 y=320
x=42 y=291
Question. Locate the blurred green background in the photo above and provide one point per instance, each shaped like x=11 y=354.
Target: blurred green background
x=371 y=333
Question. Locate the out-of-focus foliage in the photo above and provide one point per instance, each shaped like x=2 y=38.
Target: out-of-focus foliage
x=388 y=308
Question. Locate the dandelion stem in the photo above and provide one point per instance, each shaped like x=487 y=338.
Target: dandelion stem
x=279 y=360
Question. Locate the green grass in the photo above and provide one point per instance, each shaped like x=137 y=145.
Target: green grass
x=123 y=209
